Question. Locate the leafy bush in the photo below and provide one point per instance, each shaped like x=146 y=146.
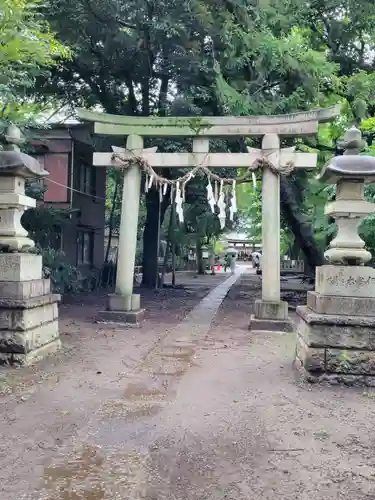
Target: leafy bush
x=44 y=224
x=64 y=277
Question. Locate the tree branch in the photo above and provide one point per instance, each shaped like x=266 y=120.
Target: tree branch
x=133 y=104
x=150 y=63
x=319 y=147
x=164 y=83
x=108 y=20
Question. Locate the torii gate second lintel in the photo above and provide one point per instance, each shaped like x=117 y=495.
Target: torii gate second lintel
x=293 y=124
x=124 y=306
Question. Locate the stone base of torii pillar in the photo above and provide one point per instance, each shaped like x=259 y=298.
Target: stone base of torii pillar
x=271 y=316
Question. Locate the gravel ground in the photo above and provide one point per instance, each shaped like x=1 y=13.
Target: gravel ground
x=217 y=414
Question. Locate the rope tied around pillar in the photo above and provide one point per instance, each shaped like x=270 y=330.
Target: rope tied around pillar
x=262 y=163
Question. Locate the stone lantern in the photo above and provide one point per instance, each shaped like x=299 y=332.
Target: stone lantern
x=336 y=329
x=349 y=172
x=28 y=310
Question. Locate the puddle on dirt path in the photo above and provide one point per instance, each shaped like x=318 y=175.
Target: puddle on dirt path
x=170 y=361
x=77 y=478
x=94 y=474
x=183 y=353
x=130 y=413
x=142 y=391
x=91 y=474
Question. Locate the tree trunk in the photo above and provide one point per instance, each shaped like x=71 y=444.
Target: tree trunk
x=110 y=229
x=200 y=264
x=173 y=263
x=173 y=250
x=302 y=231
x=330 y=236
x=212 y=256
x=169 y=240
x=165 y=264
x=150 y=235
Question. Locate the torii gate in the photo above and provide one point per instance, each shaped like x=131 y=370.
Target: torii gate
x=270 y=312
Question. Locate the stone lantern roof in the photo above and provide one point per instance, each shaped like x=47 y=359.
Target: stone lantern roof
x=20 y=164
x=351 y=166
x=15 y=163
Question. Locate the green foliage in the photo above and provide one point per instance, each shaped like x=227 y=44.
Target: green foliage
x=27 y=49
x=35 y=189
x=44 y=224
x=286 y=74
x=249 y=203
x=27 y=44
x=367 y=228
x=368 y=126
x=64 y=277
x=211 y=57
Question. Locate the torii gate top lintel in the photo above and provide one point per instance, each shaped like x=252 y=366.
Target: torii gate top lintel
x=294 y=124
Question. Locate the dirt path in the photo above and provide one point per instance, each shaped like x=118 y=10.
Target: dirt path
x=211 y=413
x=44 y=406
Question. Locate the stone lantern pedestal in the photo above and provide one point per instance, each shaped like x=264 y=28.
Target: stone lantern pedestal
x=28 y=310
x=336 y=329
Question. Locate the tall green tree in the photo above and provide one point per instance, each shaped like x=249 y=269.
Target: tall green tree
x=28 y=49
x=126 y=55
x=307 y=55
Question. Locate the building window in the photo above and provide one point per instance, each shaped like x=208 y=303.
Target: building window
x=87 y=179
x=85 y=248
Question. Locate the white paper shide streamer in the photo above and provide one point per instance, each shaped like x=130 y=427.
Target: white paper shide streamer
x=233 y=202
x=178 y=200
x=222 y=206
x=210 y=196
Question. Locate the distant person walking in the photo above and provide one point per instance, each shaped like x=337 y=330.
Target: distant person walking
x=227 y=262
x=256 y=256
x=233 y=264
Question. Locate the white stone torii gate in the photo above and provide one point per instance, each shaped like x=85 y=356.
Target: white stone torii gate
x=124 y=306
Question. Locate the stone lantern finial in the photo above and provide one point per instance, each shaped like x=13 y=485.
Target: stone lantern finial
x=13 y=138
x=352 y=144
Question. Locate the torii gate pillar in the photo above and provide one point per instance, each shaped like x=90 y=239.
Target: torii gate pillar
x=271 y=313
x=123 y=305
